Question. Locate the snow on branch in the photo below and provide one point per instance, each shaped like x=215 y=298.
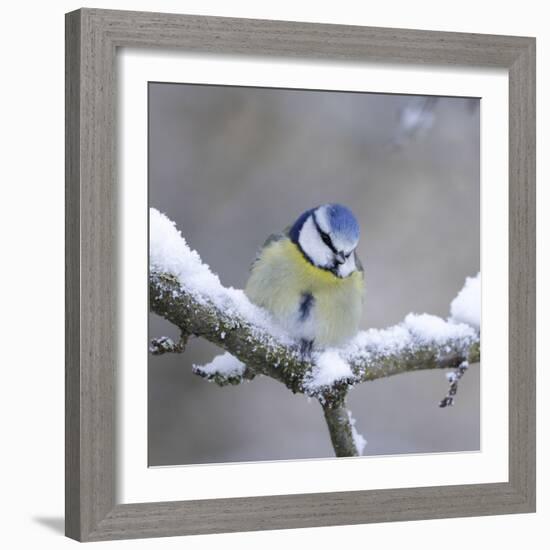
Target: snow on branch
x=466 y=307
x=185 y=291
x=224 y=369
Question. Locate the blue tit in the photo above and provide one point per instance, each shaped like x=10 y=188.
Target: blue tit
x=310 y=278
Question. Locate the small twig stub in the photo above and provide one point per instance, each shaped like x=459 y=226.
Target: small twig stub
x=453 y=377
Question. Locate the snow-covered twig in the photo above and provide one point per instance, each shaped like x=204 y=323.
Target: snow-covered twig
x=224 y=370
x=453 y=377
x=164 y=344
x=184 y=291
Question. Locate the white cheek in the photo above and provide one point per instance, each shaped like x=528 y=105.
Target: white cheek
x=348 y=267
x=313 y=246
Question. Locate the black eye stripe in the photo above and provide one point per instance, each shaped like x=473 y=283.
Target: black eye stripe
x=324 y=236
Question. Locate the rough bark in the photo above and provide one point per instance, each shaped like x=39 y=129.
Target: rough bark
x=340 y=429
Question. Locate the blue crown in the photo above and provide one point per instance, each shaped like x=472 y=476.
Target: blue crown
x=343 y=222
x=340 y=218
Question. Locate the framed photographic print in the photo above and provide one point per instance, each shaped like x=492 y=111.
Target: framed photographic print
x=300 y=275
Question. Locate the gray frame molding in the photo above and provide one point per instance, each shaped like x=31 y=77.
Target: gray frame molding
x=92 y=37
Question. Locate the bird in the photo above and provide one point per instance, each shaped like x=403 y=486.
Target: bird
x=310 y=279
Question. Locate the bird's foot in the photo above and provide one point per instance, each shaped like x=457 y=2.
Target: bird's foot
x=306 y=349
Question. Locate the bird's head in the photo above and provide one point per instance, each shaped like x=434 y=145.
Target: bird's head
x=327 y=236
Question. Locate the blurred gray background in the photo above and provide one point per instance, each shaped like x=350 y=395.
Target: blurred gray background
x=230 y=165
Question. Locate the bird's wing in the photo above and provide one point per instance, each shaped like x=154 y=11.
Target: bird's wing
x=274 y=237
x=361 y=270
x=358 y=263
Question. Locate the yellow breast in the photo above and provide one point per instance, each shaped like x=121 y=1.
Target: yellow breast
x=282 y=276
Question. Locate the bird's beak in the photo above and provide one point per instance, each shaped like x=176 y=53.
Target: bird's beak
x=340 y=258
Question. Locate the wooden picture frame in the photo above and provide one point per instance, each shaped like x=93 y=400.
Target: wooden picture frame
x=92 y=39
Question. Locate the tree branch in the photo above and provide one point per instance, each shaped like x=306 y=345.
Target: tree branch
x=185 y=292
x=340 y=429
x=163 y=344
x=453 y=377
x=251 y=344
x=263 y=353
